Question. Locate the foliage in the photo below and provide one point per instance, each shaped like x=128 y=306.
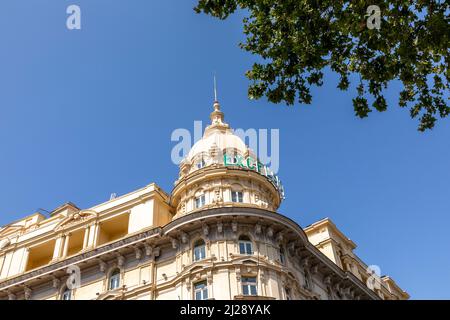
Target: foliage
x=297 y=39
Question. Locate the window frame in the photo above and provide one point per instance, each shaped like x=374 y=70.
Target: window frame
x=249 y=284
x=237 y=196
x=201 y=290
x=199 y=246
x=245 y=244
x=116 y=276
x=203 y=202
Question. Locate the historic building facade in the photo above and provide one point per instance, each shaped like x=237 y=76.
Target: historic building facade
x=216 y=236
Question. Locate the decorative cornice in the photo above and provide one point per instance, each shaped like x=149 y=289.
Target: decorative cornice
x=94 y=253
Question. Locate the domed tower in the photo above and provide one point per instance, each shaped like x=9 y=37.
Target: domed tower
x=221 y=171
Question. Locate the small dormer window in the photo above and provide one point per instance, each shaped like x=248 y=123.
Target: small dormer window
x=201 y=163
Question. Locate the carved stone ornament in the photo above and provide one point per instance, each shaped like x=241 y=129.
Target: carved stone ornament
x=205 y=229
x=148 y=249
x=279 y=237
x=75 y=218
x=138 y=253
x=120 y=260
x=219 y=227
x=27 y=293
x=184 y=237
x=174 y=242
x=188 y=284
x=11 y=296
x=4 y=243
x=55 y=282
x=217 y=197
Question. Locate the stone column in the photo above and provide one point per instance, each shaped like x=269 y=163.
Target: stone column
x=93 y=235
x=66 y=245
x=57 y=250
x=86 y=237
x=210 y=284
x=96 y=232
x=25 y=260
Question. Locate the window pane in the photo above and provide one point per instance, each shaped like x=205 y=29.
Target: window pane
x=249 y=248
x=114 y=282
x=245 y=290
x=199 y=252
x=196 y=256
x=253 y=290
x=252 y=280
x=201 y=291
x=241 y=248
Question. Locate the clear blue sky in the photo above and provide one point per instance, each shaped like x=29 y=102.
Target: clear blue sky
x=90 y=112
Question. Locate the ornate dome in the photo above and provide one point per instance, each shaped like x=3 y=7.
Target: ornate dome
x=218 y=139
x=221 y=171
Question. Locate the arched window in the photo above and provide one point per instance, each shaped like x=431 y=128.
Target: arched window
x=66 y=294
x=245 y=245
x=282 y=255
x=114 y=280
x=199 y=250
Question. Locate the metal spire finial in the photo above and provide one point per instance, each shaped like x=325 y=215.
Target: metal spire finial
x=215 y=88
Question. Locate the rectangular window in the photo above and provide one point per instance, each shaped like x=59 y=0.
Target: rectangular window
x=199 y=253
x=249 y=286
x=245 y=247
x=237 y=196
x=201 y=291
x=200 y=201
